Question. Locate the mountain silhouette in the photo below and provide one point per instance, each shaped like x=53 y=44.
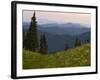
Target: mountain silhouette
x=60 y=34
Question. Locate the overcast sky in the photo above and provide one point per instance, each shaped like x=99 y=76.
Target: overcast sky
x=44 y=17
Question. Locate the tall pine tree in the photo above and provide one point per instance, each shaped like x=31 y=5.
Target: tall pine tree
x=77 y=42
x=43 y=45
x=31 y=39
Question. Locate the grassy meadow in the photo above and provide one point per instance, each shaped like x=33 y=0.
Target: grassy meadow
x=79 y=56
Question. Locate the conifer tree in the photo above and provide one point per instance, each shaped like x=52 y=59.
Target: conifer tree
x=66 y=46
x=43 y=45
x=77 y=42
x=31 y=39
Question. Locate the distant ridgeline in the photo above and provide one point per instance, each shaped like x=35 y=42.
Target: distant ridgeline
x=58 y=35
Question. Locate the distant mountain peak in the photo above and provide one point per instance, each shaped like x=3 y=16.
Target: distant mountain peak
x=61 y=29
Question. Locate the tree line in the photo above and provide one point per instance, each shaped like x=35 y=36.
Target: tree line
x=77 y=43
x=30 y=38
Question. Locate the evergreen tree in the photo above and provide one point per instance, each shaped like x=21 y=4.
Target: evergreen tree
x=66 y=47
x=43 y=45
x=88 y=40
x=77 y=42
x=31 y=39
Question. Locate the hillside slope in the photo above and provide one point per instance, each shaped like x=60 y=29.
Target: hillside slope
x=79 y=56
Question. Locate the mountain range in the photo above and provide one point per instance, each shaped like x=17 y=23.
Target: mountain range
x=60 y=34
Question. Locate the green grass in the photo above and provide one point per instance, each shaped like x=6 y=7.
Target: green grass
x=79 y=56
